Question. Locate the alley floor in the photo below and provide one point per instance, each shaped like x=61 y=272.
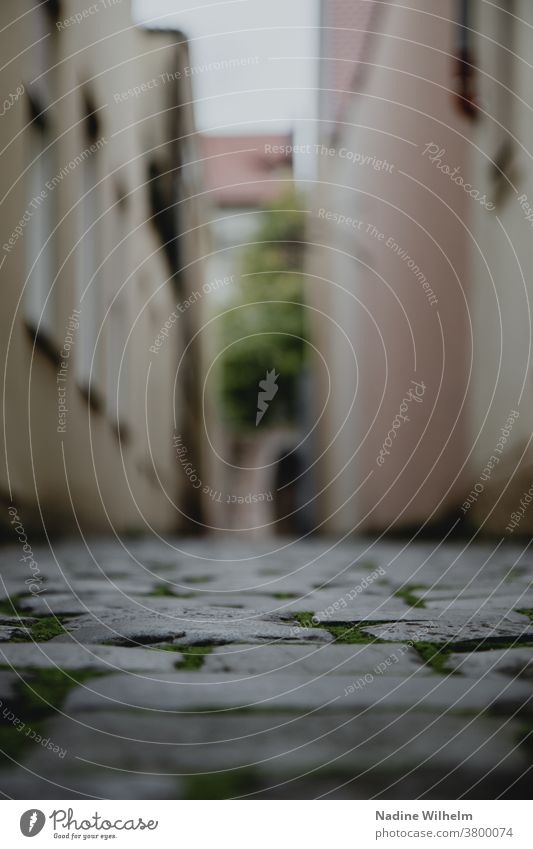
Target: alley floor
x=215 y=669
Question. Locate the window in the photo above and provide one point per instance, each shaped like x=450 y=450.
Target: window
x=503 y=151
x=41 y=211
x=466 y=94
x=118 y=355
x=88 y=271
x=41 y=260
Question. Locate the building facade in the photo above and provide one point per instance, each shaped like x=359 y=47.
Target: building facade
x=387 y=268
x=498 y=494
x=101 y=240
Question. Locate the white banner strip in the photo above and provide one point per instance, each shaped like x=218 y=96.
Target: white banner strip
x=262 y=824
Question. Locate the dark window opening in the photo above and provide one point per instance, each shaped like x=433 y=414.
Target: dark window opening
x=466 y=82
x=163 y=207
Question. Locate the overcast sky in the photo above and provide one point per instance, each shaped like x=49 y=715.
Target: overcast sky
x=277 y=41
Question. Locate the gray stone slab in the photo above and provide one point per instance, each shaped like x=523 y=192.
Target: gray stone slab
x=168 y=621
x=515 y=662
x=516 y=594
x=67 y=601
x=8 y=682
x=86 y=783
x=296 y=660
x=395 y=610
x=197 y=691
x=9 y=632
x=451 y=629
x=277 y=744
x=74 y=656
x=496 y=607
x=65 y=604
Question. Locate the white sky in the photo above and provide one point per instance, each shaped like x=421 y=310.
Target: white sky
x=274 y=95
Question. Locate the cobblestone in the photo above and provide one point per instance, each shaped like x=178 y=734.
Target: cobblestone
x=232 y=669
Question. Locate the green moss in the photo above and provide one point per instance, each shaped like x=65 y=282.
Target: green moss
x=11 y=606
x=41 y=631
x=193 y=657
x=525 y=737
x=434 y=655
x=527 y=611
x=197 y=579
x=164 y=591
x=166 y=647
x=368 y=565
x=36 y=699
x=223 y=785
x=408 y=594
x=351 y=632
x=283 y=596
x=47 y=689
x=305 y=620
x=488 y=643
x=46 y=628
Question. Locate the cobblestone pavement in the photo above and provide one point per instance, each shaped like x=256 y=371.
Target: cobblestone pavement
x=202 y=669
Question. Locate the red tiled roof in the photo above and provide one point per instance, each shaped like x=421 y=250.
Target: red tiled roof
x=241 y=171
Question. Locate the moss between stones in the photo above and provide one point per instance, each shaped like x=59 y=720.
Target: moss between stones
x=193 y=657
x=525 y=737
x=164 y=591
x=36 y=699
x=283 y=596
x=41 y=631
x=436 y=654
x=527 y=611
x=11 y=606
x=351 y=632
x=408 y=594
x=47 y=628
x=306 y=620
x=487 y=644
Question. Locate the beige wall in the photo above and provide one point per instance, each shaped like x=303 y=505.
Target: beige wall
x=96 y=58
x=500 y=271
x=372 y=301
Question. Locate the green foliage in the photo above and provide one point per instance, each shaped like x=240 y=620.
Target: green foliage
x=264 y=327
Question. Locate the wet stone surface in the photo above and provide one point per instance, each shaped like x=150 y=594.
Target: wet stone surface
x=209 y=670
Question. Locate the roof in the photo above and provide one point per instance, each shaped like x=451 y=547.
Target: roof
x=244 y=171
